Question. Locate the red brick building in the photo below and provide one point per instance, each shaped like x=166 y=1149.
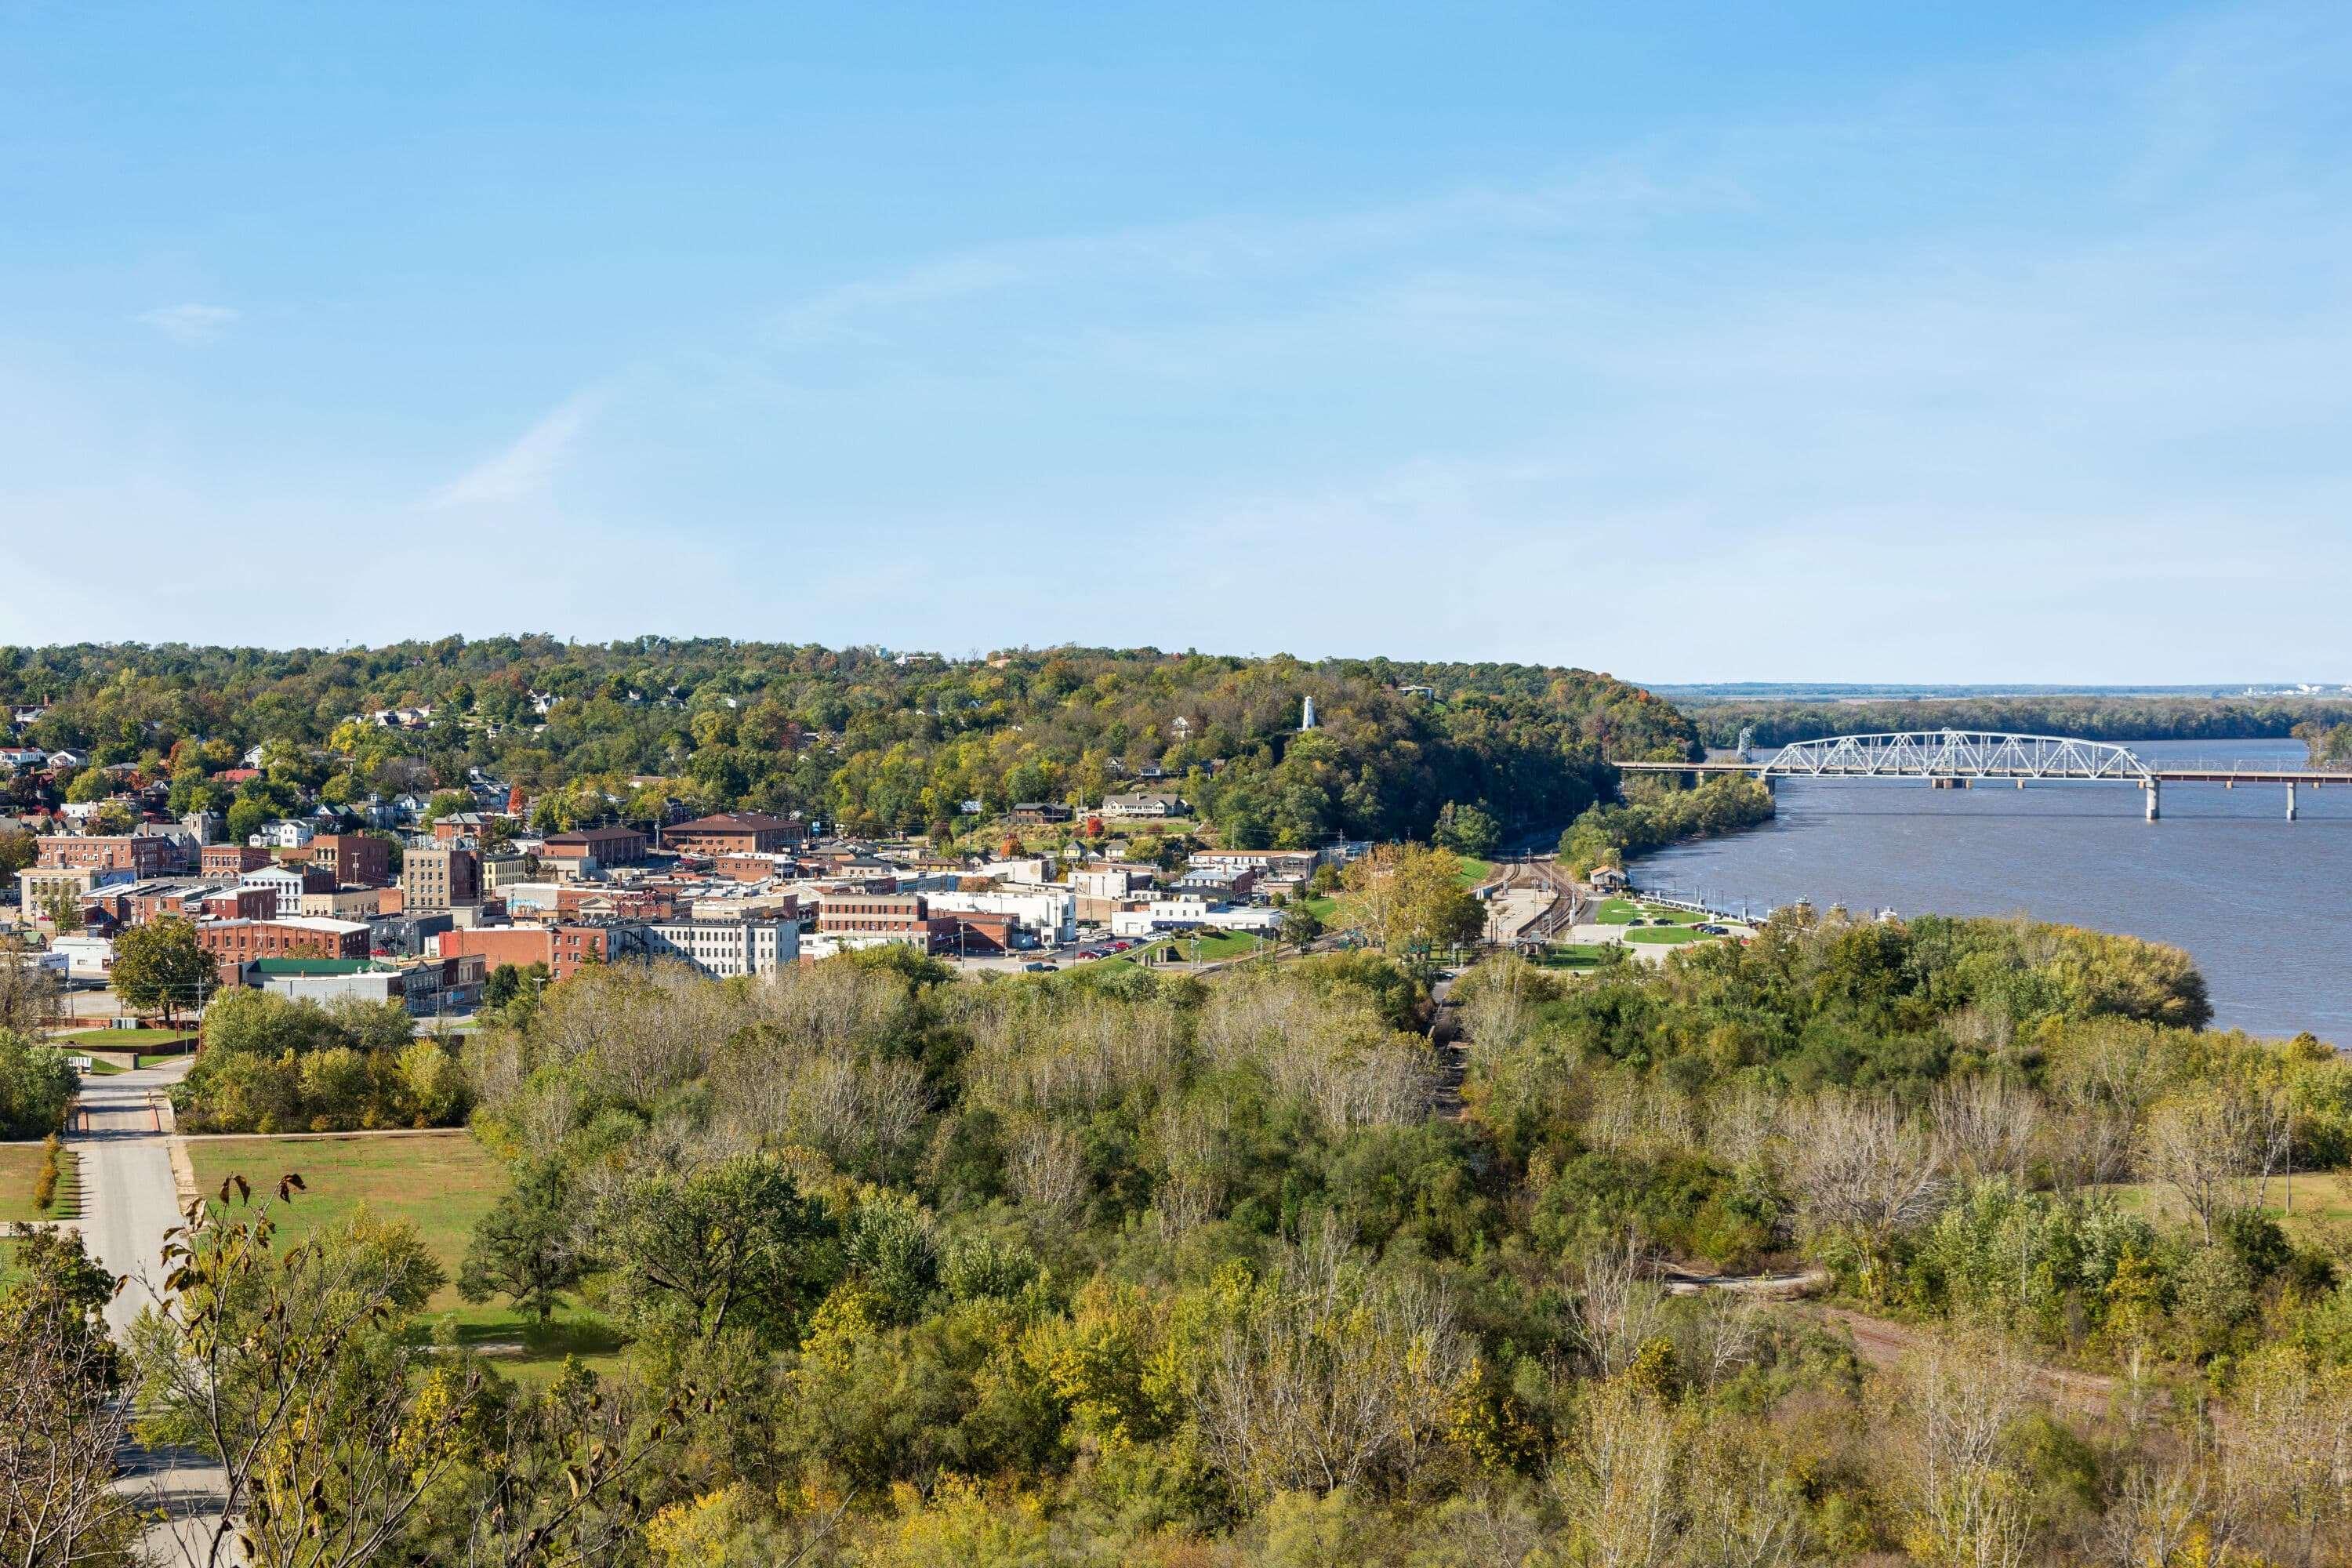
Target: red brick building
x=735 y=833
x=605 y=845
x=144 y=855
x=235 y=942
x=231 y=859
x=896 y=917
x=354 y=859
x=565 y=949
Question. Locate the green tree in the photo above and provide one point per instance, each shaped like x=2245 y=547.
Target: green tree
x=18 y=850
x=1468 y=830
x=162 y=964
x=524 y=1248
x=730 y=1246
x=37 y=1084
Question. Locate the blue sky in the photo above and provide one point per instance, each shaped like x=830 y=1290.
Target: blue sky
x=1826 y=341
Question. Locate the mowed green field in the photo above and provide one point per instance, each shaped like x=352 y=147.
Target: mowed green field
x=440 y=1181
x=1572 y=956
x=128 y=1040
x=1665 y=934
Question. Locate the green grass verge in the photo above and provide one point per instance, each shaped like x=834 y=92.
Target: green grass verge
x=1665 y=935
x=20 y=1167
x=441 y=1182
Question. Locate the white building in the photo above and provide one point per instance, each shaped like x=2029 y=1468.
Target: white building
x=285 y=882
x=1181 y=913
x=88 y=958
x=1052 y=911
x=725 y=949
x=292 y=834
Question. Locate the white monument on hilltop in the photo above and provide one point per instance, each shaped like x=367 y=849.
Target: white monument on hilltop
x=1307 y=716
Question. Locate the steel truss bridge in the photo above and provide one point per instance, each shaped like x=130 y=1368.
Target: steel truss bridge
x=1963 y=759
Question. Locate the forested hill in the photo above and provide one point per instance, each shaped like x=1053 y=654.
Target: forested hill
x=875 y=739
x=2090 y=717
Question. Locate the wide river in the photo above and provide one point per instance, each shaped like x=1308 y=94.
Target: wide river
x=2264 y=905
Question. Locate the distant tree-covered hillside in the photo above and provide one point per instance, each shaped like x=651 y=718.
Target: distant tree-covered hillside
x=875 y=741
x=1781 y=723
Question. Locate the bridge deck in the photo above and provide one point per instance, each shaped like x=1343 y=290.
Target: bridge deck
x=2162 y=775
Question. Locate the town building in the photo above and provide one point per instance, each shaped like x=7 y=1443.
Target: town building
x=231 y=859
x=141 y=854
x=236 y=942
x=594 y=848
x=725 y=950
x=441 y=878
x=354 y=859
x=883 y=917
x=735 y=833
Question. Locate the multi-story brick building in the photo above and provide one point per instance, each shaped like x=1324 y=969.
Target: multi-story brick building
x=442 y=878
x=607 y=846
x=141 y=855
x=735 y=833
x=236 y=942
x=232 y=859
x=879 y=916
x=354 y=859
x=563 y=948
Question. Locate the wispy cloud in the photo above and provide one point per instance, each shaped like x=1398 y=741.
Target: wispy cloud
x=192 y=325
x=527 y=469
x=1246 y=250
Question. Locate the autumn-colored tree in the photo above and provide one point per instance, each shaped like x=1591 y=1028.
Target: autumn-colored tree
x=1408 y=898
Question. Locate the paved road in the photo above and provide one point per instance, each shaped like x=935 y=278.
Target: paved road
x=128 y=1198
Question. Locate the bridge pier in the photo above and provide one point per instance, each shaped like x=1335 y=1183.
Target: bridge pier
x=2155 y=793
x=2290 y=800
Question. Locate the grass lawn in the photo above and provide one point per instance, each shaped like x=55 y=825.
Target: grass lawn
x=101 y=1069
x=129 y=1039
x=20 y=1165
x=440 y=1181
x=1572 y=955
x=1476 y=871
x=1625 y=912
x=2323 y=1204
x=1668 y=935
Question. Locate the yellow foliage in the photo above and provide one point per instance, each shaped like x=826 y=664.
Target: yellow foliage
x=696 y=1535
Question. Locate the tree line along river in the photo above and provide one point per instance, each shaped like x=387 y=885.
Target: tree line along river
x=2264 y=905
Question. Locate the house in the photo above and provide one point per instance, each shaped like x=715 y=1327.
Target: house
x=68 y=758
x=20 y=758
x=292 y=834
x=1037 y=812
x=1145 y=803
x=1608 y=880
